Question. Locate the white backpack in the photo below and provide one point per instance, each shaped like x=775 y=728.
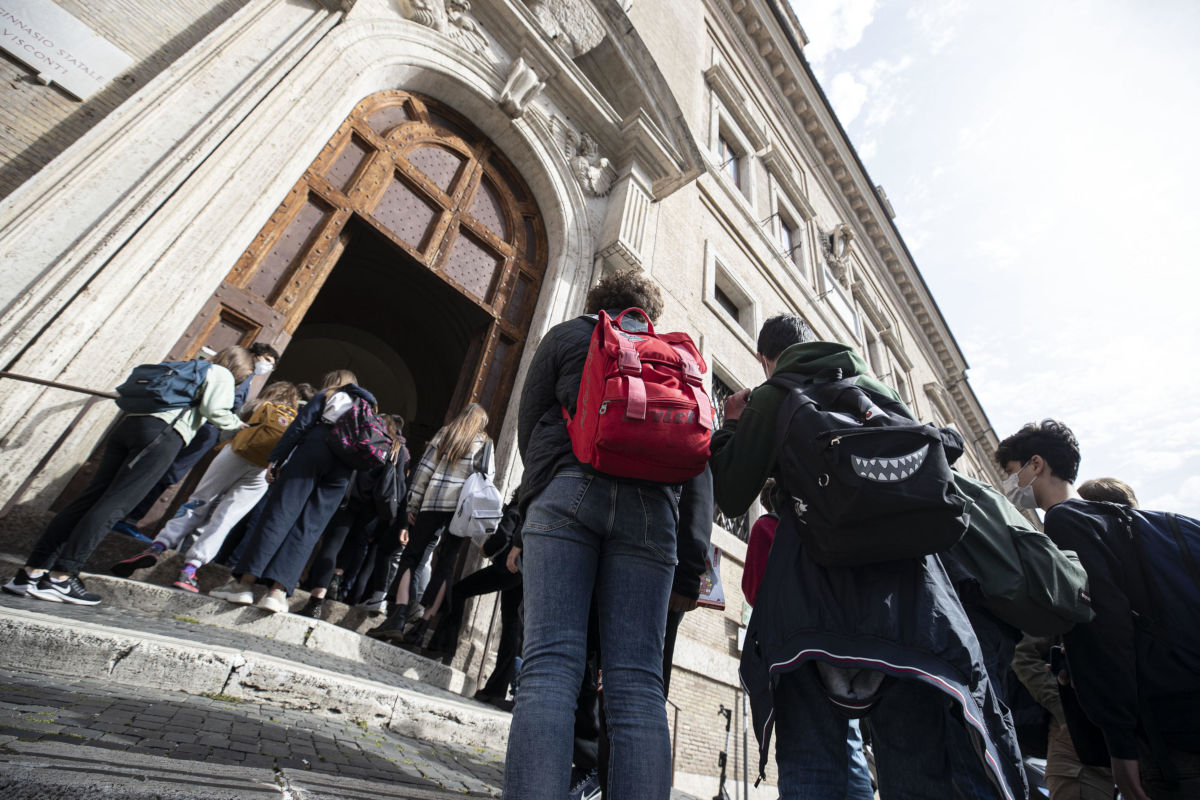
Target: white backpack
x=480 y=505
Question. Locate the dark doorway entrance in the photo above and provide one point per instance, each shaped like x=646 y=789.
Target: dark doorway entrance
x=401 y=329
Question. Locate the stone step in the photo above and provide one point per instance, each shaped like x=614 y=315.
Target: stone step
x=179 y=653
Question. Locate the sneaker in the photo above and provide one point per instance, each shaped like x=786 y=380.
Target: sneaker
x=274 y=601
x=130 y=530
x=144 y=559
x=234 y=592
x=187 y=582
x=19 y=584
x=376 y=604
x=312 y=608
x=68 y=590
x=586 y=788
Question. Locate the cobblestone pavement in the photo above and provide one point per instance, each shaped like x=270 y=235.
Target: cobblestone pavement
x=109 y=741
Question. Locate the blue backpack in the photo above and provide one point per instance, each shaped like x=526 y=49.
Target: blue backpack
x=151 y=388
x=1167 y=548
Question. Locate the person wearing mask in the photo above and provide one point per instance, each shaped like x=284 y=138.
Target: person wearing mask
x=265 y=356
x=1144 y=699
x=136 y=452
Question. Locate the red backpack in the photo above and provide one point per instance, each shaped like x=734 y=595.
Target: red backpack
x=642 y=411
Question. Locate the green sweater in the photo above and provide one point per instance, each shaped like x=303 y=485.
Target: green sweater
x=215 y=406
x=744 y=450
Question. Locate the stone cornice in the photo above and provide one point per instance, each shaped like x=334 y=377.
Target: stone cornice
x=767 y=24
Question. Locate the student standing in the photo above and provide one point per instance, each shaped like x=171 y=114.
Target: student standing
x=1143 y=698
x=135 y=454
x=587 y=533
x=452 y=455
x=310 y=481
x=232 y=485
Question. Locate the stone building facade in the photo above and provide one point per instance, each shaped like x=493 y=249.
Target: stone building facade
x=418 y=189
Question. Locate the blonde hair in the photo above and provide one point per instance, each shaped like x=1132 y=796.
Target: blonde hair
x=337 y=379
x=458 y=436
x=282 y=393
x=237 y=360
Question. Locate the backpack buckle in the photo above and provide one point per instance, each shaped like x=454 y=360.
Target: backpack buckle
x=628 y=361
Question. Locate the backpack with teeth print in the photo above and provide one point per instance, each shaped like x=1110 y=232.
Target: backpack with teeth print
x=865 y=482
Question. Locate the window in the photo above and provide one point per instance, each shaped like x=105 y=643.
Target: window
x=726 y=302
x=738 y=526
x=729 y=299
x=835 y=295
x=789 y=239
x=730 y=160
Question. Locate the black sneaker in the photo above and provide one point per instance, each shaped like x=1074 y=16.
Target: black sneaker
x=68 y=590
x=20 y=583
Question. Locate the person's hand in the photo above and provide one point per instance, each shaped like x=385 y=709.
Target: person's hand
x=1125 y=775
x=679 y=602
x=404 y=536
x=272 y=472
x=412 y=518
x=511 y=561
x=735 y=404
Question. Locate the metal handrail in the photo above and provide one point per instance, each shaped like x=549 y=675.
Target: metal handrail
x=56 y=385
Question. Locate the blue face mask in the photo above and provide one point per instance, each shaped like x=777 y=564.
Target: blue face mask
x=1020 y=496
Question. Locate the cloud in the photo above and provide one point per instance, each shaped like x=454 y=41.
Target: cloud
x=833 y=25
x=937 y=21
x=1185 y=499
x=847 y=96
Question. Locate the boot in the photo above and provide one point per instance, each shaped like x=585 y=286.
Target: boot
x=392 y=627
x=416 y=633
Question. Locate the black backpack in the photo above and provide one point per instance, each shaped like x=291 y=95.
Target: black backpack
x=867 y=483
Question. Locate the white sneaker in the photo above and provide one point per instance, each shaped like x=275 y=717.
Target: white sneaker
x=375 y=604
x=274 y=601
x=234 y=592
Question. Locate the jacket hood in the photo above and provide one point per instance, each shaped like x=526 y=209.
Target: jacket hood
x=812 y=357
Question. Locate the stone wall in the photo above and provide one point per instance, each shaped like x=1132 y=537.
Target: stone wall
x=38 y=122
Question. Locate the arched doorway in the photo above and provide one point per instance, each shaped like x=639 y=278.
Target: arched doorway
x=410 y=250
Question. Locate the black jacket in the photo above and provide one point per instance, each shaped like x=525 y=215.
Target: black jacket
x=552 y=384
x=1127 y=689
x=901 y=618
x=308 y=418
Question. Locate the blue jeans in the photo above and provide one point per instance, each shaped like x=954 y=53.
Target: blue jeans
x=921 y=748
x=587 y=533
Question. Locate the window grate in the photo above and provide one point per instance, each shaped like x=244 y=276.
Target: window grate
x=738 y=526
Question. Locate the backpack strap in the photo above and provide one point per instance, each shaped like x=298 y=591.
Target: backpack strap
x=691 y=375
x=630 y=366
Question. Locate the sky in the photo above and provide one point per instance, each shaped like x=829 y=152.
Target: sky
x=1043 y=160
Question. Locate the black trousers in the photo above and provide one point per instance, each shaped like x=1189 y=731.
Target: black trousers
x=301 y=502
x=179 y=467
x=349 y=527
x=424 y=530
x=137 y=452
x=492 y=578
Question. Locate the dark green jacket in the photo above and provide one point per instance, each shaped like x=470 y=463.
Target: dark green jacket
x=741 y=464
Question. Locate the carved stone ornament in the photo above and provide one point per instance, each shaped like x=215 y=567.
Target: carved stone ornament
x=522 y=86
x=835 y=246
x=583 y=155
x=450 y=17
x=573 y=24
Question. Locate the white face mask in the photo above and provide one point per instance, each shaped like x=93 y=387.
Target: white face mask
x=262 y=367
x=1020 y=496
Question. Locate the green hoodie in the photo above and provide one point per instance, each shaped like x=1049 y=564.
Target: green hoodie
x=744 y=450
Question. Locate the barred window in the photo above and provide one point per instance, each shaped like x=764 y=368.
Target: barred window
x=738 y=526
